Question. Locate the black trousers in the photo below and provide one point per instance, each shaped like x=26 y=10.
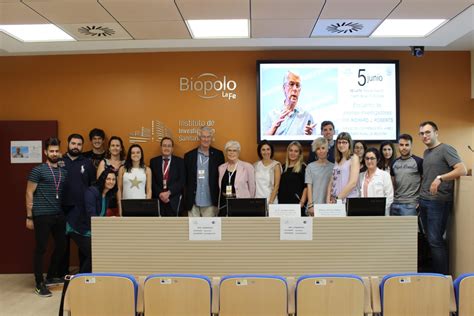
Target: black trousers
x=85 y=250
x=44 y=226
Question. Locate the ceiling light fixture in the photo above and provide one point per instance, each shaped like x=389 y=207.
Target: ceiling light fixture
x=36 y=32
x=235 y=28
x=407 y=27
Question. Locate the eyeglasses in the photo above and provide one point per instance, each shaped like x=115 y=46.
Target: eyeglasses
x=342 y=142
x=427 y=133
x=370 y=158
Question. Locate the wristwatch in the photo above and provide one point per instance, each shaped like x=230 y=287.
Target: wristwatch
x=439 y=178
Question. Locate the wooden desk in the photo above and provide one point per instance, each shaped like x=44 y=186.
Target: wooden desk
x=360 y=245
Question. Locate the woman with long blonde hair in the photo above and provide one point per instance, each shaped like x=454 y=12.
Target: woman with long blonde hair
x=292 y=189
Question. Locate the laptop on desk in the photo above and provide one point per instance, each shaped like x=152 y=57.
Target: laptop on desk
x=368 y=206
x=140 y=208
x=246 y=207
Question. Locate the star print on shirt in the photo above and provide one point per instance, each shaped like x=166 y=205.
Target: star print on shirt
x=135 y=183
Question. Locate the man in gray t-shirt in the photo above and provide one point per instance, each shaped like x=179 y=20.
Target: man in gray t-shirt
x=441 y=166
x=406 y=172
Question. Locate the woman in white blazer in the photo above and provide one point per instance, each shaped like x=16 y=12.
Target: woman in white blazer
x=236 y=177
x=375 y=182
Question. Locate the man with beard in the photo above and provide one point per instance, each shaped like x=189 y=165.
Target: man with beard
x=81 y=175
x=406 y=172
x=441 y=166
x=291 y=119
x=44 y=215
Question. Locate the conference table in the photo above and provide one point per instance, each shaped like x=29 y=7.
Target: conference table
x=365 y=246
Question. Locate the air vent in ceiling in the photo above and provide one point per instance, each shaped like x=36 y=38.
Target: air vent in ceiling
x=345 y=28
x=96 y=30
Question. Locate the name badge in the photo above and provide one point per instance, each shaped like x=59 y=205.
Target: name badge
x=201 y=174
x=228 y=190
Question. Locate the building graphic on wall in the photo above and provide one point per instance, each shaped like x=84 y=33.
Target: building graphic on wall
x=154 y=133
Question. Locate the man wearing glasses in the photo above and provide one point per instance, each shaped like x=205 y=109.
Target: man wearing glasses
x=441 y=166
x=291 y=120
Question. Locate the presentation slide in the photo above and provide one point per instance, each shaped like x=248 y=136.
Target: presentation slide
x=358 y=97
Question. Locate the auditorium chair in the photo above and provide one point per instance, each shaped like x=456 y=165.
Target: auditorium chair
x=177 y=294
x=413 y=294
x=332 y=295
x=244 y=295
x=464 y=289
x=101 y=294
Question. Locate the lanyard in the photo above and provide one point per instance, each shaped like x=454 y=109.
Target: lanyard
x=231 y=174
x=200 y=159
x=165 y=170
x=56 y=184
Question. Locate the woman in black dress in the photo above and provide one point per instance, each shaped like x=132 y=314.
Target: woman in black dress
x=292 y=188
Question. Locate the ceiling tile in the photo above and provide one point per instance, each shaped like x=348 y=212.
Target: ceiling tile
x=358 y=9
x=429 y=9
x=18 y=13
x=157 y=30
x=285 y=10
x=71 y=11
x=282 y=28
x=142 y=10
x=214 y=9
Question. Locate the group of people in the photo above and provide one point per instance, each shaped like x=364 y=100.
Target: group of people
x=65 y=192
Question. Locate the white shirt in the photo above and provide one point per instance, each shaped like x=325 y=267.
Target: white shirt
x=265 y=180
x=379 y=186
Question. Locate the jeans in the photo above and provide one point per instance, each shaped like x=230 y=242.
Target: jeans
x=434 y=218
x=403 y=209
x=45 y=225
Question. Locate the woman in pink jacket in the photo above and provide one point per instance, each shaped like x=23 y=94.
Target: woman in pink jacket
x=236 y=177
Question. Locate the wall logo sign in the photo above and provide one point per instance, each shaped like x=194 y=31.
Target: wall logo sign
x=209 y=86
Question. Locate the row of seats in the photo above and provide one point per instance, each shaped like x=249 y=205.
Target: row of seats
x=419 y=294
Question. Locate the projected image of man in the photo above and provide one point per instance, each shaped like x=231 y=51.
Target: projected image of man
x=291 y=119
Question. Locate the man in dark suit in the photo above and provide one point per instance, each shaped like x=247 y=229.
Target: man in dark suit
x=167 y=179
x=202 y=176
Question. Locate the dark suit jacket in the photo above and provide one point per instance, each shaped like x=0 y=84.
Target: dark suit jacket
x=175 y=179
x=216 y=158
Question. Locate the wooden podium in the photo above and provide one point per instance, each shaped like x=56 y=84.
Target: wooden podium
x=461 y=232
x=360 y=245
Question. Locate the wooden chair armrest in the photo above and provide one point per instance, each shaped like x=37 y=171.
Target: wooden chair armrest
x=291 y=282
x=367 y=296
x=215 y=282
x=452 y=298
x=375 y=294
x=140 y=296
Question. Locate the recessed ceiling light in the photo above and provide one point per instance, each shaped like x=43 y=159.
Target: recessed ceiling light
x=407 y=27
x=237 y=28
x=36 y=32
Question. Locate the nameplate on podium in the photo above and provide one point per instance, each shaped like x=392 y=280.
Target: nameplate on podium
x=205 y=228
x=284 y=210
x=296 y=228
x=329 y=210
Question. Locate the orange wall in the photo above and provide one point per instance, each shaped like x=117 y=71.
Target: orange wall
x=123 y=92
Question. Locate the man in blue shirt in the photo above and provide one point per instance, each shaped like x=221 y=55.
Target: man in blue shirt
x=44 y=215
x=202 y=176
